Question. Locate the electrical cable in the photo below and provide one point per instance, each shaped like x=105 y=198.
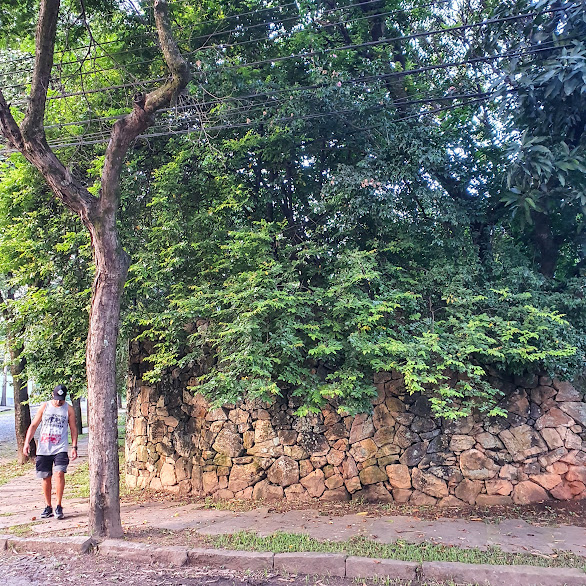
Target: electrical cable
x=403 y=73
x=359 y=4
x=220 y=46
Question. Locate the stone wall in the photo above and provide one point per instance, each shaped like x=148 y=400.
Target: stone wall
x=398 y=453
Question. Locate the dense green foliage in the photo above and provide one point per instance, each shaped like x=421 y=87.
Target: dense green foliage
x=336 y=217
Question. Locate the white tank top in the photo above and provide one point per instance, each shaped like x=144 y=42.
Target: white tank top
x=54 y=430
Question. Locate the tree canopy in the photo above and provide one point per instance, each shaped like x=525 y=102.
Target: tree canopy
x=342 y=188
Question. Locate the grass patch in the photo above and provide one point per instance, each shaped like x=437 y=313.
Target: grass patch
x=399 y=550
x=78 y=482
x=21 y=530
x=13 y=469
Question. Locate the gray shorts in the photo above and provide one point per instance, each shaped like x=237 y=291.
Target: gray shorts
x=44 y=464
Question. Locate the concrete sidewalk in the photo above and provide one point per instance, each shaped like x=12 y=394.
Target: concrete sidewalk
x=21 y=504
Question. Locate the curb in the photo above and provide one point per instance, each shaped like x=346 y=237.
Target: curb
x=80 y=544
x=308 y=563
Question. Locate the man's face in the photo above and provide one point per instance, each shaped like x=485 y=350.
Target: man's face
x=58 y=403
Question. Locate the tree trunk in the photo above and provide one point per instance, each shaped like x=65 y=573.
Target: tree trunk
x=111 y=270
x=545 y=243
x=77 y=411
x=22 y=412
x=4 y=384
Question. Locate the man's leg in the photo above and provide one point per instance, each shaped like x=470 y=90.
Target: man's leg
x=59 y=486
x=61 y=462
x=47 y=490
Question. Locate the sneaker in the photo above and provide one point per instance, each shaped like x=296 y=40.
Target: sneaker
x=59 y=512
x=48 y=512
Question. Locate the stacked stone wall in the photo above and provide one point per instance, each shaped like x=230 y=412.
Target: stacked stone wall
x=398 y=453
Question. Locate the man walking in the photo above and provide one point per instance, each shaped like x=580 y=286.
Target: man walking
x=54 y=416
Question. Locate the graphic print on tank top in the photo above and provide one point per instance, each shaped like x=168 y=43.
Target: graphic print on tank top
x=52 y=429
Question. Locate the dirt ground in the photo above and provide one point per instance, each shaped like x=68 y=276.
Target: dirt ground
x=540 y=514
x=91 y=570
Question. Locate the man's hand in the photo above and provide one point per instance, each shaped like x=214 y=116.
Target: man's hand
x=73 y=453
x=26 y=449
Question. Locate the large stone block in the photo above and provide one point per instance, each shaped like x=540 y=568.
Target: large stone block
x=263 y=431
x=314 y=483
x=363 y=450
x=566 y=391
x=228 y=442
x=468 y=490
x=284 y=472
x=429 y=484
x=527 y=492
x=381 y=418
x=554 y=418
x=167 y=475
x=372 y=475
x=414 y=454
x=243 y=476
x=576 y=411
x=476 y=466
x=362 y=428
x=522 y=442
x=399 y=476
x=266 y=491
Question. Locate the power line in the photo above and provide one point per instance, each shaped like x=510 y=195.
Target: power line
x=326 y=12
x=250 y=124
x=380 y=41
x=403 y=73
x=220 y=46
x=118 y=12
x=297 y=90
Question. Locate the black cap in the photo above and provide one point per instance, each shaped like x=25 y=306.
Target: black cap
x=59 y=392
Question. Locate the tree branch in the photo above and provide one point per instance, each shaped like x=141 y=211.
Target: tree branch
x=129 y=127
x=175 y=62
x=8 y=125
x=32 y=127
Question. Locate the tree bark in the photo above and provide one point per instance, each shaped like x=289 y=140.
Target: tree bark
x=112 y=266
x=545 y=243
x=22 y=412
x=77 y=411
x=4 y=384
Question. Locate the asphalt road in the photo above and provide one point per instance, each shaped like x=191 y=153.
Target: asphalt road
x=7 y=437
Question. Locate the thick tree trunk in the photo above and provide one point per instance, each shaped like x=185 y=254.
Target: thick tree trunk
x=77 y=411
x=112 y=266
x=22 y=412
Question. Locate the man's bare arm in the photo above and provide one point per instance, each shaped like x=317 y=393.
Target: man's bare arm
x=73 y=430
x=30 y=432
